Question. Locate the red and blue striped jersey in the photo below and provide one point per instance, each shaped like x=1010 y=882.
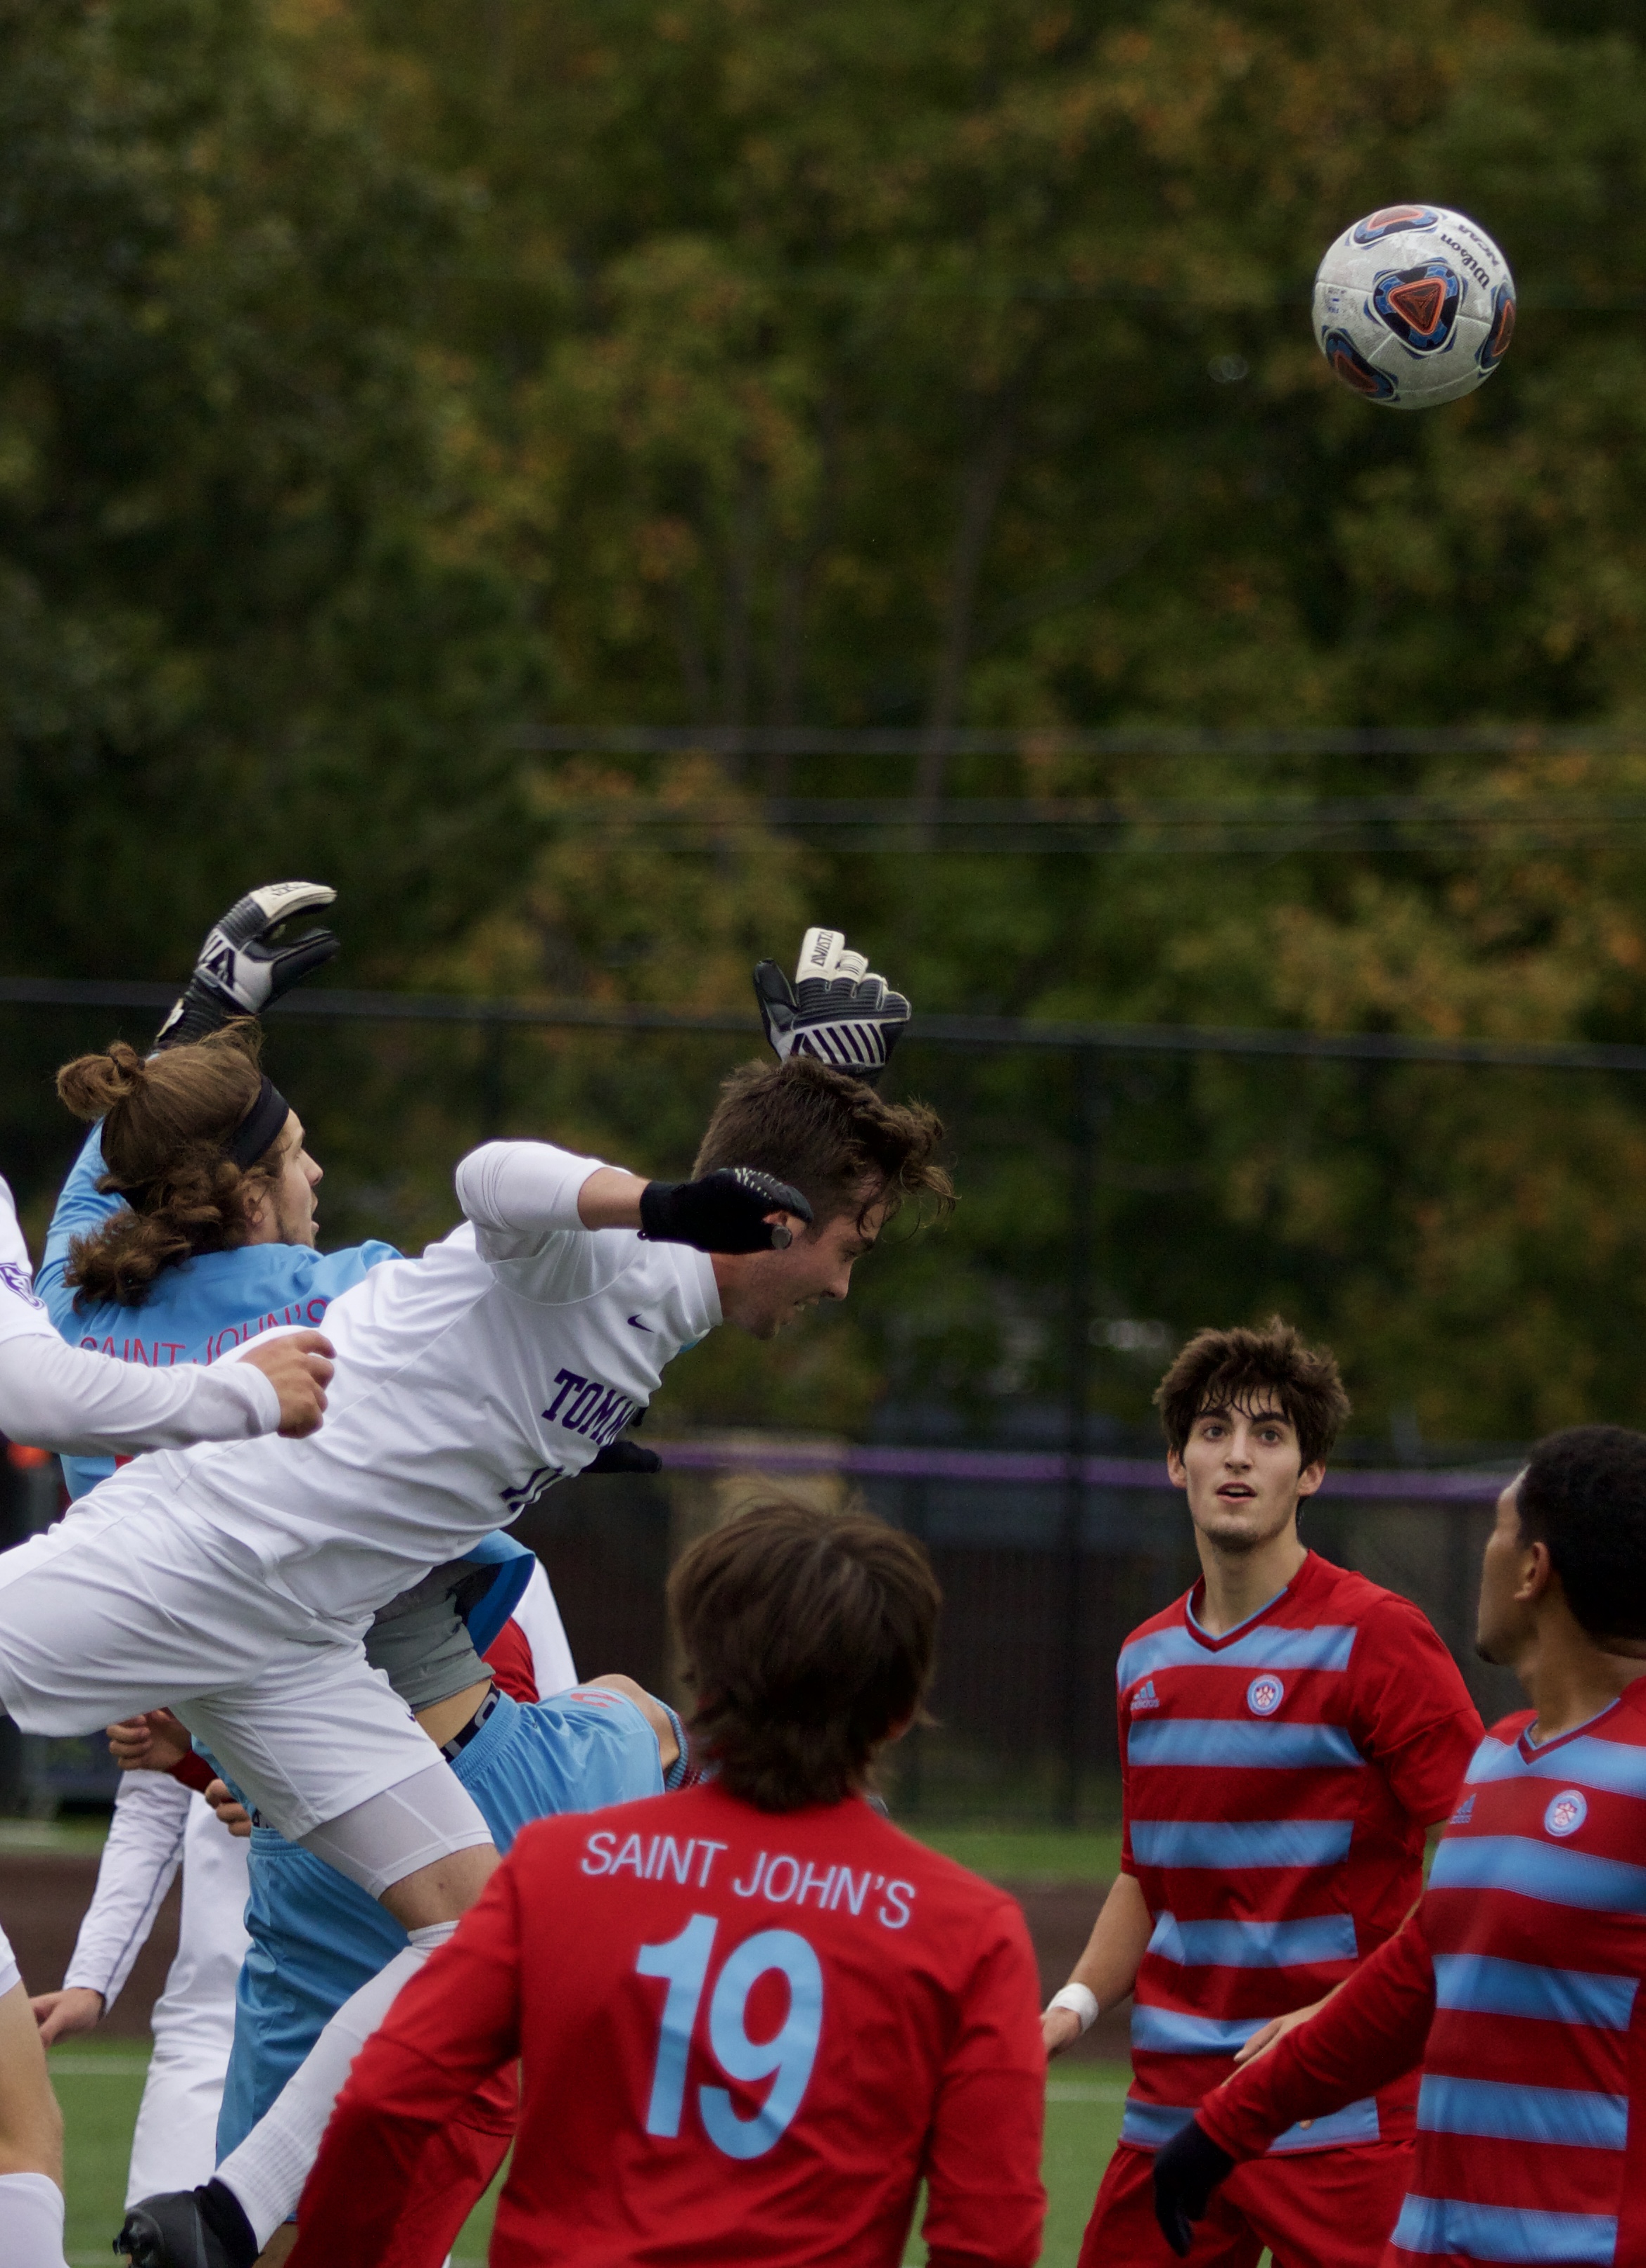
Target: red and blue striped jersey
x=1278 y=1781
x=1523 y=1968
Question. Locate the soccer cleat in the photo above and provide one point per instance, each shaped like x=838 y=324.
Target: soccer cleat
x=188 y=2228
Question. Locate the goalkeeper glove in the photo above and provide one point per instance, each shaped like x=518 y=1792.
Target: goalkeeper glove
x=836 y=1009
x=723 y=1213
x=247 y=962
x=1187 y=2171
x=623 y=1457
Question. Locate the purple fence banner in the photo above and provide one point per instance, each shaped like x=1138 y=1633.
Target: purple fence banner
x=1042 y=1469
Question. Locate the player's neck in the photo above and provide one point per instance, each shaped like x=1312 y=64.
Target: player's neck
x=1238 y=1583
x=1569 y=1679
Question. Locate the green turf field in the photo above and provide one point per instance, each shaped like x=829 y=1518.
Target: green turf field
x=99 y=2085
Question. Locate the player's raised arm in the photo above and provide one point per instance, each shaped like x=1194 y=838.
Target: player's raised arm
x=525 y=1190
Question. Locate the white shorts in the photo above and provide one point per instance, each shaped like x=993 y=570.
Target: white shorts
x=108 y=1613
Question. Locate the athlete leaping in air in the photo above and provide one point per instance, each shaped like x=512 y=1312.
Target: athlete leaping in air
x=468 y=1382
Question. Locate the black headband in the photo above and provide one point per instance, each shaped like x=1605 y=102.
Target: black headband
x=260 y=1126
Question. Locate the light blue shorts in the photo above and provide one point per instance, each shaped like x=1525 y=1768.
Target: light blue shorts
x=316 y=1937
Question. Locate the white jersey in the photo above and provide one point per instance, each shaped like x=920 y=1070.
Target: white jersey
x=22 y=1314
x=468 y=1382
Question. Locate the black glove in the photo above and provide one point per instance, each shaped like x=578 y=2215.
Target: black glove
x=723 y=1213
x=836 y=1009
x=625 y=1457
x=1186 y=2172
x=245 y=963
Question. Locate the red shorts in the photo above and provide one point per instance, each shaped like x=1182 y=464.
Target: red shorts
x=1312 y=2208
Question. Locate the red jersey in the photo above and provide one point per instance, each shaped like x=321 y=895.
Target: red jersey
x=743 y=2037
x=1517 y=1985
x=1277 y=1782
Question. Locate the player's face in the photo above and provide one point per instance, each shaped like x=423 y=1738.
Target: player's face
x=1244 y=1473
x=1503 y=1620
x=762 y=1292
x=285 y=1213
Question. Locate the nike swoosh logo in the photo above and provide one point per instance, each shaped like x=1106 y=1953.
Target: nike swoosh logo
x=639 y=1326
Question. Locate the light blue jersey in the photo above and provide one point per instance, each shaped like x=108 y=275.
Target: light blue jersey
x=317 y=1937
x=197 y=1310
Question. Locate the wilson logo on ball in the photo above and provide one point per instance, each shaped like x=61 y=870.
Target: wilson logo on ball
x=1351 y=365
x=1391 y=219
x=1420 y=304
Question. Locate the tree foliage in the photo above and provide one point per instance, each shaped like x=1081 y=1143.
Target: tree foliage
x=378 y=382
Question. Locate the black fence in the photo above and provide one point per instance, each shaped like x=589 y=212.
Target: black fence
x=1035 y=1614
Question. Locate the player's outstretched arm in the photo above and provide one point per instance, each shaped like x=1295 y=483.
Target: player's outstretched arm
x=985 y=2201
x=1372 y=2030
x=82 y=1403
x=516 y=1193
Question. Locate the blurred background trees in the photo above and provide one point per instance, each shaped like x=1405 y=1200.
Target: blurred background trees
x=380 y=386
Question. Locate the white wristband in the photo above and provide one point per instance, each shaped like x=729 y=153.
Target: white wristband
x=1078 y=2001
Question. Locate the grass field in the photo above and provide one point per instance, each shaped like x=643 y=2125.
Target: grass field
x=99 y=2087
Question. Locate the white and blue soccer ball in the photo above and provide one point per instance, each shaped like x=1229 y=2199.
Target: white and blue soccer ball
x=1415 y=304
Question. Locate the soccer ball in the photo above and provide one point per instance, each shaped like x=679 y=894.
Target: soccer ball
x=1414 y=304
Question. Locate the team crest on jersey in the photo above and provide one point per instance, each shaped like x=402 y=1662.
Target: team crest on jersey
x=1146 y=1697
x=1566 y=1812
x=1264 y=1694
x=1464 y=1813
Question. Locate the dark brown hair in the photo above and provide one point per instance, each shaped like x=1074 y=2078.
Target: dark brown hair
x=166 y=1120
x=1583 y=1494
x=828 y=1135
x=1228 y=1370
x=807 y=1635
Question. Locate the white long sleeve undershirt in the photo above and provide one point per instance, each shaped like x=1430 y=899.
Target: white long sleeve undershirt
x=82 y=1403
x=140 y=1860
x=522 y=1188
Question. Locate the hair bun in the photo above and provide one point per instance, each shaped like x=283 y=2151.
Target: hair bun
x=91 y=1086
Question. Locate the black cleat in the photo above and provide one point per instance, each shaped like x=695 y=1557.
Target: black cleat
x=188 y=2228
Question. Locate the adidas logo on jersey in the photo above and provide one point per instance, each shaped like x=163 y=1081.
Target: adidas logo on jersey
x=1464 y=1813
x=1146 y=1697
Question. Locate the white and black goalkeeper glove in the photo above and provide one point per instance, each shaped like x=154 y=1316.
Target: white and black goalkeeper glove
x=836 y=1009
x=248 y=961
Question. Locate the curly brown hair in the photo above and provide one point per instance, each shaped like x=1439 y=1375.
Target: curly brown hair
x=1223 y=1370
x=828 y=1135
x=166 y=1120
x=809 y=1636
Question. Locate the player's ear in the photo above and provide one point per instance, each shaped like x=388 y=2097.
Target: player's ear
x=1310 y=1477
x=1177 y=1471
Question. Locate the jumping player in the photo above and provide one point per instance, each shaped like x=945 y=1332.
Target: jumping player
x=1287 y=1732
x=469 y=1381
x=784 y=2013
x=1517 y=1985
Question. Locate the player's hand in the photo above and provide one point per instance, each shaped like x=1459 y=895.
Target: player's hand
x=1060 y=2029
x=623 y=1457
x=733 y=1210
x=248 y=960
x=152 y=1743
x=1186 y=2172
x=299 y=1365
x=230 y=1811
x=836 y=1009
x=76 y=2009
x=1276 y=2029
